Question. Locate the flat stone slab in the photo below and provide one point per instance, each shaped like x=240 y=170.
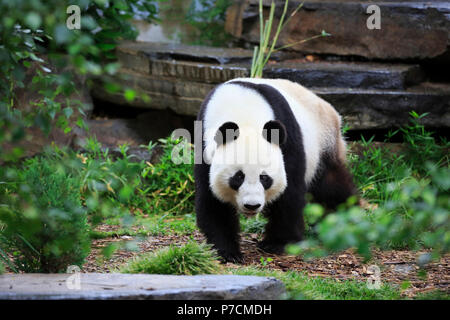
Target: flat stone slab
x=361 y=75
x=137 y=57
x=102 y=286
x=158 y=50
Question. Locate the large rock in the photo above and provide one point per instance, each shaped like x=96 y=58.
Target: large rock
x=96 y=286
x=409 y=29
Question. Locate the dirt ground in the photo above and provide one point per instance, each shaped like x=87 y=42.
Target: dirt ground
x=397 y=266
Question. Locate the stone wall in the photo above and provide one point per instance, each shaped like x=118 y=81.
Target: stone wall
x=368 y=95
x=409 y=29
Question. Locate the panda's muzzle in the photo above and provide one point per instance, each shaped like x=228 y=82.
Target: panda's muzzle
x=251 y=209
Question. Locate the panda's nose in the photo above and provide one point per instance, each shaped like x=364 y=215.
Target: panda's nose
x=252 y=206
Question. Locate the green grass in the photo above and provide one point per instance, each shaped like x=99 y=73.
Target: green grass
x=378 y=171
x=153 y=225
x=433 y=295
x=189 y=259
x=301 y=286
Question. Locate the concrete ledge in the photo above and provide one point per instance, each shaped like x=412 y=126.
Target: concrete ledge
x=99 y=286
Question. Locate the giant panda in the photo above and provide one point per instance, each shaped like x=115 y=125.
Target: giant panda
x=265 y=144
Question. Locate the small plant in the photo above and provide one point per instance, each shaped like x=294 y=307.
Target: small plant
x=169 y=187
x=423 y=224
x=262 y=53
x=265 y=261
x=253 y=225
x=50 y=231
x=190 y=259
x=422 y=146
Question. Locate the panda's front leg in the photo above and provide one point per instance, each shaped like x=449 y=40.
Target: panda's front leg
x=220 y=225
x=218 y=221
x=285 y=223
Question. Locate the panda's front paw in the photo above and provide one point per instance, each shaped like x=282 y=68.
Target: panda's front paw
x=272 y=247
x=233 y=257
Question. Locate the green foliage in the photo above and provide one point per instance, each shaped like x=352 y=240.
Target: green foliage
x=379 y=172
x=168 y=224
x=169 y=186
x=208 y=19
x=433 y=295
x=412 y=200
x=2 y=268
x=190 y=259
x=34 y=35
x=262 y=53
x=40 y=209
x=301 y=286
x=253 y=225
x=52 y=232
x=422 y=147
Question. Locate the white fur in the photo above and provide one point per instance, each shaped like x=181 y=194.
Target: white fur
x=236 y=104
x=318 y=121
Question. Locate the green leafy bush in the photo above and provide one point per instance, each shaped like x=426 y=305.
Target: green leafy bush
x=160 y=188
x=376 y=168
x=51 y=232
x=208 y=18
x=169 y=186
x=35 y=40
x=411 y=196
x=190 y=259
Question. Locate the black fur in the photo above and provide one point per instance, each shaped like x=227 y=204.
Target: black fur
x=333 y=183
x=285 y=215
x=275 y=132
x=219 y=221
x=227 y=132
x=266 y=181
x=236 y=180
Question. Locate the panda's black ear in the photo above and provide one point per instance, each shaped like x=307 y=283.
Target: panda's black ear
x=275 y=132
x=227 y=132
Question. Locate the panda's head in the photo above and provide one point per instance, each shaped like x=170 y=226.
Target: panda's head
x=247 y=167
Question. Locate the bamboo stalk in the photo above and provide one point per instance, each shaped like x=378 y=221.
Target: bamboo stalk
x=262 y=53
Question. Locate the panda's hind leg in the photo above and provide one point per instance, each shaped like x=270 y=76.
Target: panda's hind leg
x=333 y=183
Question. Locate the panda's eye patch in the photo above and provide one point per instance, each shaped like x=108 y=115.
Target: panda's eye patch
x=266 y=181
x=237 y=180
